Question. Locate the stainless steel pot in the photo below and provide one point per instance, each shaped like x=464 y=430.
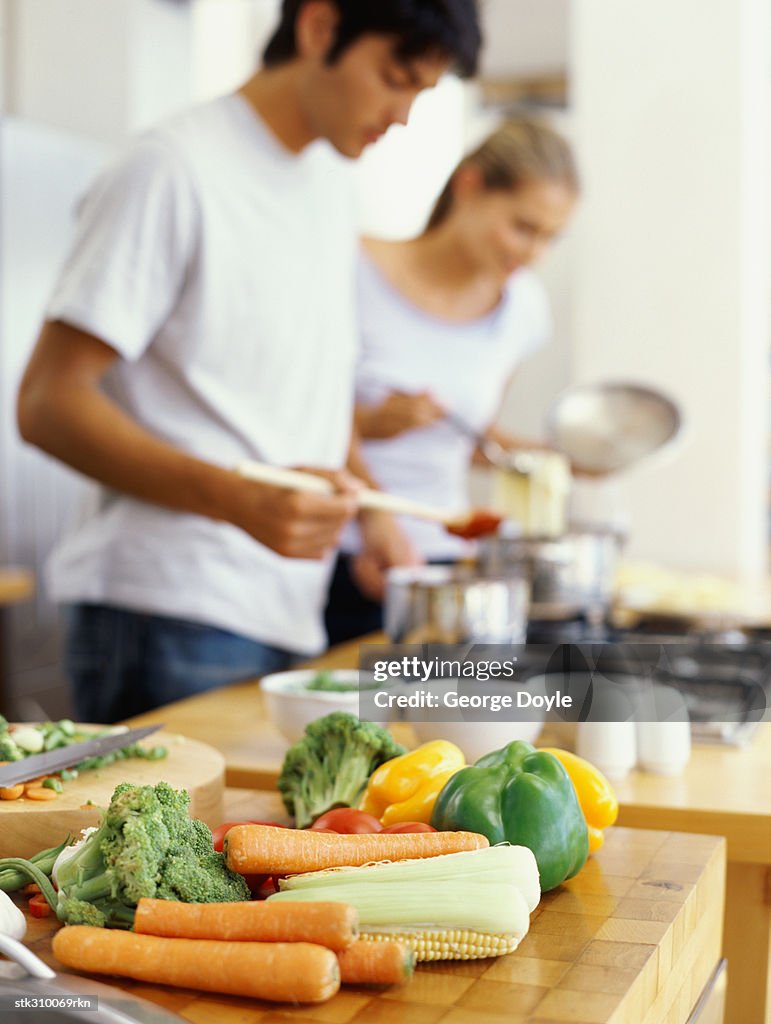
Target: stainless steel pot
x=569 y=575
x=448 y=604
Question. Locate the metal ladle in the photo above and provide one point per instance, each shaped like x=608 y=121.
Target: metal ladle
x=519 y=462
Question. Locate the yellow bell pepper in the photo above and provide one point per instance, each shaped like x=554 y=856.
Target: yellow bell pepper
x=595 y=794
x=406 y=787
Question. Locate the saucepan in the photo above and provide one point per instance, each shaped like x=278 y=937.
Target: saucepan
x=569 y=575
x=455 y=604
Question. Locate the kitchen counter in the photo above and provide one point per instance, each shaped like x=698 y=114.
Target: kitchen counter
x=634 y=938
x=724 y=791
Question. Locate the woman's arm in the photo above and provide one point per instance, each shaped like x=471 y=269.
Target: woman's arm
x=398 y=412
x=62 y=410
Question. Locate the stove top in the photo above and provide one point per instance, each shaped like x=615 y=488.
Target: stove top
x=725 y=682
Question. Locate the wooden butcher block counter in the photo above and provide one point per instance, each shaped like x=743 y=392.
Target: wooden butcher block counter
x=723 y=791
x=633 y=939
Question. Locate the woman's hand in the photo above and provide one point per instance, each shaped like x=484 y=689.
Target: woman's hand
x=398 y=412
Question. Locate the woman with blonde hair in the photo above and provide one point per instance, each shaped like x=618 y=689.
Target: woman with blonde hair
x=445 y=319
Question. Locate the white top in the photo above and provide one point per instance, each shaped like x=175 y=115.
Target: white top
x=220 y=266
x=466 y=366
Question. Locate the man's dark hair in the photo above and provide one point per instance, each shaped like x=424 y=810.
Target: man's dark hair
x=420 y=27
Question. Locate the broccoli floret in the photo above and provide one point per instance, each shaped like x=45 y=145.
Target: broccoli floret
x=145 y=846
x=329 y=767
x=9 y=750
x=80 y=912
x=200 y=879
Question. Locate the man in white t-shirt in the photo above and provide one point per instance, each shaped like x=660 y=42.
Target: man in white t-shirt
x=205 y=315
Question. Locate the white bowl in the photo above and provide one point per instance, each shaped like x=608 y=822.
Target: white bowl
x=291 y=707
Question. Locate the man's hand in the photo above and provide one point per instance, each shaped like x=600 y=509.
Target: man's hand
x=398 y=412
x=386 y=546
x=294 y=523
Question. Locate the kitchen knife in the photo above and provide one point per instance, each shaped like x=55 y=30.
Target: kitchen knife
x=27 y=976
x=64 y=757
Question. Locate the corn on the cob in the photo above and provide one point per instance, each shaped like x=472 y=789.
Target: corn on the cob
x=418 y=901
x=449 y=944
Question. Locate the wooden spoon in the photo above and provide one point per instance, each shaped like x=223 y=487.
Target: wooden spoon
x=477 y=523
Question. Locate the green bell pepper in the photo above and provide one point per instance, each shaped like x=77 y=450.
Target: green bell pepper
x=522 y=796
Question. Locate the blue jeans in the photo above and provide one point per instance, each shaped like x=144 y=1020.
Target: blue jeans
x=121 y=663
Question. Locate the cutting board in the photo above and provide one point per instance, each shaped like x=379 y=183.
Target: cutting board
x=27 y=826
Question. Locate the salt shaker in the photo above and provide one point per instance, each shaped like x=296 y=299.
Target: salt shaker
x=610 y=746
x=664 y=745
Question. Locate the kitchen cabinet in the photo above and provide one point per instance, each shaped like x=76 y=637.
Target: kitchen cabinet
x=724 y=791
x=634 y=937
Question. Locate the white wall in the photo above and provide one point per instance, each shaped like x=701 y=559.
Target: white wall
x=104 y=69
x=671 y=112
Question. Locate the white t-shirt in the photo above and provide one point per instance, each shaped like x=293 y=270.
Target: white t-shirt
x=466 y=366
x=221 y=267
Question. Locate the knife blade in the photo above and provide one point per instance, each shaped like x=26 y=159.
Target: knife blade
x=64 y=757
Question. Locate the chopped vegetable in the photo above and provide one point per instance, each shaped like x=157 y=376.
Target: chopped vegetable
x=490 y=891
x=38 y=906
x=39 y=793
x=12 y=920
x=329 y=767
x=29 y=739
x=26 y=740
x=369 y=962
x=325 y=681
x=296 y=972
x=333 y=925
x=146 y=845
x=12 y=792
x=259 y=848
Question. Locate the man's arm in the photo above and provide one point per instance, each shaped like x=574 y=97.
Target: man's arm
x=62 y=410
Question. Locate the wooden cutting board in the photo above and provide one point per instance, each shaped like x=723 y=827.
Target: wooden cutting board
x=27 y=826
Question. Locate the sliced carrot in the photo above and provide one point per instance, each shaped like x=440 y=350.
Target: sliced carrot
x=291 y=972
x=376 y=963
x=12 y=792
x=260 y=849
x=334 y=925
x=39 y=906
x=40 y=793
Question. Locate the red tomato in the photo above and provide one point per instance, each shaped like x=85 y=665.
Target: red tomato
x=410 y=826
x=346 y=821
x=38 y=906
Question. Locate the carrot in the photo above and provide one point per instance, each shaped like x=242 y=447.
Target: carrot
x=12 y=792
x=40 y=793
x=260 y=849
x=334 y=925
x=373 y=962
x=290 y=972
